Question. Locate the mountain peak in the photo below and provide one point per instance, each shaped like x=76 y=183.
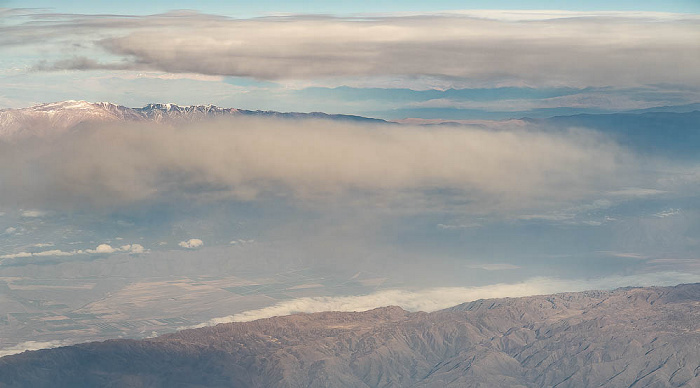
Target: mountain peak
x=57 y=117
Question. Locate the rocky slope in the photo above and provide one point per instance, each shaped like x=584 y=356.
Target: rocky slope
x=51 y=118
x=642 y=337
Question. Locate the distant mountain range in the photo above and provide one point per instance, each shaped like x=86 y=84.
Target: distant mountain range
x=58 y=116
x=671 y=134
x=633 y=337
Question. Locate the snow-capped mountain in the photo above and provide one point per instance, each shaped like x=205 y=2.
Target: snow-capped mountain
x=57 y=117
x=159 y=112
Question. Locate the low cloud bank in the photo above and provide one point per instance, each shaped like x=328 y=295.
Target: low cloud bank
x=433 y=299
x=245 y=158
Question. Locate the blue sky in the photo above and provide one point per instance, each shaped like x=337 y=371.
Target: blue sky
x=264 y=7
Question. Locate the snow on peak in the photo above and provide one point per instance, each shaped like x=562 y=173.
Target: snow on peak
x=57 y=117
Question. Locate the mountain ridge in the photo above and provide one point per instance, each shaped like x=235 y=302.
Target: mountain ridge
x=57 y=117
x=641 y=337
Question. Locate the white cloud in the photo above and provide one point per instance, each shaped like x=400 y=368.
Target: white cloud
x=547 y=217
x=10 y=230
x=169 y=76
x=132 y=248
x=668 y=213
x=636 y=192
x=102 y=249
x=43 y=245
x=191 y=243
x=241 y=242
x=33 y=213
x=56 y=252
x=433 y=299
x=16 y=255
x=569 y=215
x=107 y=249
x=627 y=255
x=493 y=266
x=459 y=226
x=31 y=345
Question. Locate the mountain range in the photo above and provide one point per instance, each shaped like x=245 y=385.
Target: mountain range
x=630 y=337
x=56 y=117
x=663 y=133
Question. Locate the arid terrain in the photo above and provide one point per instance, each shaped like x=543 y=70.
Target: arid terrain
x=634 y=337
x=294 y=194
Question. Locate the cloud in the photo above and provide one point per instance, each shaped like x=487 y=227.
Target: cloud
x=572 y=215
x=557 y=216
x=636 y=192
x=101 y=249
x=31 y=345
x=554 y=52
x=626 y=255
x=107 y=249
x=81 y=63
x=493 y=266
x=170 y=76
x=241 y=242
x=54 y=252
x=578 y=49
x=33 y=214
x=584 y=100
x=43 y=245
x=249 y=158
x=668 y=213
x=433 y=299
x=191 y=243
x=459 y=226
x=133 y=248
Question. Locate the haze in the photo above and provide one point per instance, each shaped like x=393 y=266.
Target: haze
x=523 y=153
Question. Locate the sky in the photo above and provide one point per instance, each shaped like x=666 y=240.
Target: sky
x=267 y=7
x=377 y=59
x=533 y=147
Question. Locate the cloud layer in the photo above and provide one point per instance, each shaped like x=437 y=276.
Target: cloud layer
x=433 y=299
x=246 y=158
x=102 y=249
x=576 y=49
x=31 y=345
